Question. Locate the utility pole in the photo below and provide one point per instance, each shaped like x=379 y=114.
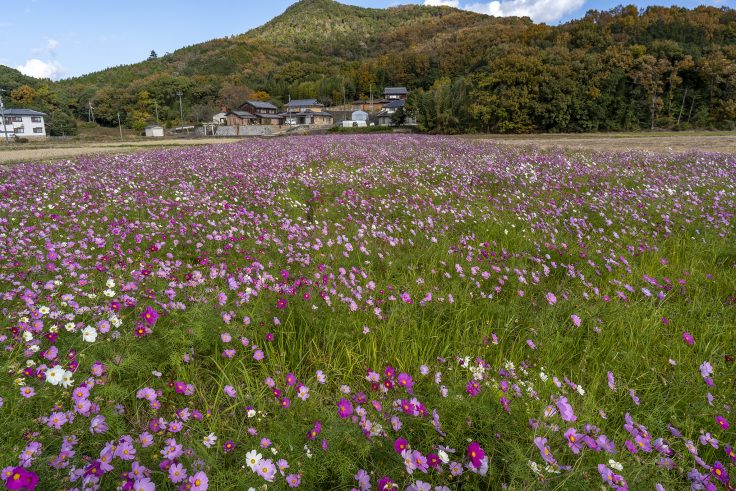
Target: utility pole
x=90 y=112
x=371 y=90
x=181 y=111
x=2 y=115
x=120 y=127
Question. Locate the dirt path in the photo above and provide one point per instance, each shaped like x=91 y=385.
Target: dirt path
x=46 y=152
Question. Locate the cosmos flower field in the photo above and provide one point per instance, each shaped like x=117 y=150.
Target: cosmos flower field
x=382 y=312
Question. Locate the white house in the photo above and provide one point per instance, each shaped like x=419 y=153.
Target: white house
x=23 y=123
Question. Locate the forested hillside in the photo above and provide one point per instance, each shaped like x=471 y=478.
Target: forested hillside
x=618 y=70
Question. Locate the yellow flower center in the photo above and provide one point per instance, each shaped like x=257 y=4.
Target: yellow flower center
x=197 y=482
x=16 y=476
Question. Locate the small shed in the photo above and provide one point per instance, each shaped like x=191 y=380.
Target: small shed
x=359 y=116
x=154 y=131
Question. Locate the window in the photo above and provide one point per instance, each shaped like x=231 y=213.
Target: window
x=17 y=119
x=19 y=129
x=38 y=130
x=36 y=119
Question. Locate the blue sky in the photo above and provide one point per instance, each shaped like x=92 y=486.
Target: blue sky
x=66 y=38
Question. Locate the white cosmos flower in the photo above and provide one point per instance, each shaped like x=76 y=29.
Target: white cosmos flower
x=110 y=283
x=66 y=379
x=615 y=465
x=443 y=456
x=44 y=310
x=89 y=334
x=55 y=375
x=27 y=335
x=69 y=326
x=209 y=440
x=252 y=458
x=109 y=293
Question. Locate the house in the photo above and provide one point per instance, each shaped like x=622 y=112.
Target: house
x=265 y=112
x=240 y=118
x=23 y=123
x=154 y=131
x=395 y=93
x=306 y=111
x=384 y=117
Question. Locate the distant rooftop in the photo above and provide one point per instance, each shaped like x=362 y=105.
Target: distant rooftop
x=303 y=103
x=242 y=114
x=395 y=91
x=23 y=112
x=261 y=104
x=395 y=104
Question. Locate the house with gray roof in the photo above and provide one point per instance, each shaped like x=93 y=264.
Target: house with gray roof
x=306 y=111
x=23 y=123
x=393 y=93
x=265 y=112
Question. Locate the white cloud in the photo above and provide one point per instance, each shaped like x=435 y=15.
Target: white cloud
x=442 y=3
x=537 y=10
x=52 y=44
x=41 y=69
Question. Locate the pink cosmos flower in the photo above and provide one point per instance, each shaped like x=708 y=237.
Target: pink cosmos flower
x=199 y=482
x=177 y=473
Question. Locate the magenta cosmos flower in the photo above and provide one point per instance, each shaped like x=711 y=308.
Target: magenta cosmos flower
x=21 y=478
x=344 y=408
x=150 y=316
x=688 y=338
x=475 y=454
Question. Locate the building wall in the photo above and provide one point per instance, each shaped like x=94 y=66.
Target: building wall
x=233 y=120
x=25 y=128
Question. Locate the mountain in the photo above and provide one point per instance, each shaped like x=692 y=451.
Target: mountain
x=612 y=70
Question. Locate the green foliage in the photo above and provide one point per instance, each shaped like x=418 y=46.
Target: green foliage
x=613 y=70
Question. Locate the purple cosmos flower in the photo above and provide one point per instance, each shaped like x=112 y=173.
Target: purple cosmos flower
x=544 y=450
x=266 y=469
x=344 y=408
x=229 y=390
x=405 y=380
x=177 y=473
x=720 y=472
x=293 y=480
x=721 y=421
x=688 y=338
x=364 y=480
x=144 y=484
x=575 y=320
x=566 y=412
x=199 y=482
x=574 y=440
x=611 y=381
